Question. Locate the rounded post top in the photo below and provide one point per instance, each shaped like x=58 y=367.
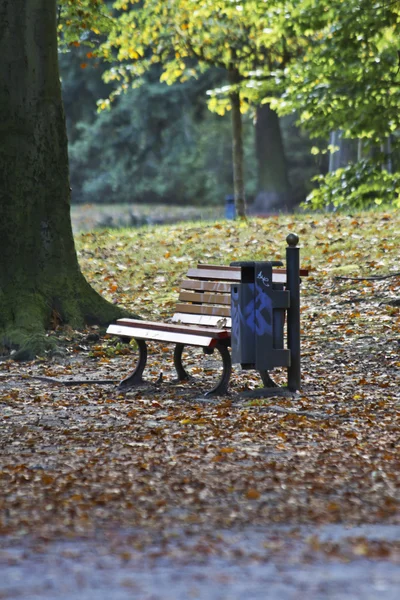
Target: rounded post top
x=292 y=240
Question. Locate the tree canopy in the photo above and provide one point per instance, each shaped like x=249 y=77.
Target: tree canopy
x=347 y=74
x=80 y=20
x=335 y=64
x=186 y=37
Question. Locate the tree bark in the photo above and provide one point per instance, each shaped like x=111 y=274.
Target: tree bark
x=346 y=153
x=40 y=279
x=237 y=146
x=274 y=192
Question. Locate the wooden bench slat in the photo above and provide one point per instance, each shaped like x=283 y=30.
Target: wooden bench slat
x=200 y=309
x=225 y=275
x=219 y=274
x=163 y=336
x=209 y=320
x=206 y=298
x=219 y=267
x=206 y=286
x=173 y=327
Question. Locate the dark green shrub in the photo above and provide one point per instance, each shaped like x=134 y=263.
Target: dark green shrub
x=358 y=186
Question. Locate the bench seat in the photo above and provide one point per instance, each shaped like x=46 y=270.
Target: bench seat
x=168 y=332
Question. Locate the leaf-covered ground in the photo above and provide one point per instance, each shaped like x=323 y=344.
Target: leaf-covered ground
x=162 y=459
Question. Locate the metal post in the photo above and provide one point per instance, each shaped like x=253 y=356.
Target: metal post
x=293 y=313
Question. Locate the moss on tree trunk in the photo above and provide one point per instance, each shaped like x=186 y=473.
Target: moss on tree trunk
x=39 y=272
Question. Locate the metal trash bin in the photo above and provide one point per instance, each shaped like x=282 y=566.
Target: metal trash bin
x=230 y=208
x=258 y=317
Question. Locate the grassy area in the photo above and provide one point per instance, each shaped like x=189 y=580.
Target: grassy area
x=141 y=268
x=86 y=217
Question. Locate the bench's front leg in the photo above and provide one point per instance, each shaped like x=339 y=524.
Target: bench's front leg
x=266 y=379
x=221 y=386
x=135 y=378
x=182 y=374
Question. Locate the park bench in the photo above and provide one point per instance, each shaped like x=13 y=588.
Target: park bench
x=203 y=319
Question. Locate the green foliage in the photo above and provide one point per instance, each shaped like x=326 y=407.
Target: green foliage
x=346 y=78
x=359 y=186
x=80 y=22
x=187 y=37
x=158 y=143
x=286 y=52
x=346 y=75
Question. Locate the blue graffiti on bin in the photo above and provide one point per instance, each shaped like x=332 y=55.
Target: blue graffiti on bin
x=254 y=314
x=263 y=309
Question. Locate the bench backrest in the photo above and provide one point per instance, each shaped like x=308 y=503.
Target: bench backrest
x=205 y=294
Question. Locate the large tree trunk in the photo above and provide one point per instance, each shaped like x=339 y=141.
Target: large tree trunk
x=274 y=192
x=237 y=146
x=40 y=279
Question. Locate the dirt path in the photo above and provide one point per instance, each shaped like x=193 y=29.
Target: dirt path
x=276 y=564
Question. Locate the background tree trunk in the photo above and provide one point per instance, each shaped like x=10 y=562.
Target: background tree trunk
x=346 y=153
x=274 y=192
x=40 y=279
x=237 y=146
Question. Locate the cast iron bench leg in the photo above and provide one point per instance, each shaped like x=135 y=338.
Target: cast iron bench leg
x=135 y=378
x=267 y=381
x=221 y=387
